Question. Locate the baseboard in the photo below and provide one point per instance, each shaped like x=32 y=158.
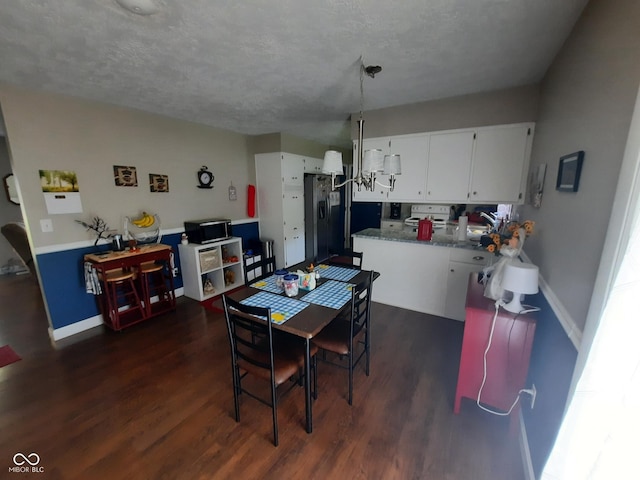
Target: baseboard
x=86 y=324
x=527 y=464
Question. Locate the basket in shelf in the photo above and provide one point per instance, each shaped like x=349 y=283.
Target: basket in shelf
x=142 y=235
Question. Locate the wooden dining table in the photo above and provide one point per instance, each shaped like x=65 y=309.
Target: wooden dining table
x=308 y=322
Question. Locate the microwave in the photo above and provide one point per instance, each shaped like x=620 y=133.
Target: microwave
x=207 y=230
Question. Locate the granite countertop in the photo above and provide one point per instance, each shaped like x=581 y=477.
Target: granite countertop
x=440 y=240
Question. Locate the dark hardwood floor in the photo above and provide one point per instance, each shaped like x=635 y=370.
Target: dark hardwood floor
x=155 y=402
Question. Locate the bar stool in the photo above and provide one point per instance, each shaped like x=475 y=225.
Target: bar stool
x=120 y=292
x=154 y=282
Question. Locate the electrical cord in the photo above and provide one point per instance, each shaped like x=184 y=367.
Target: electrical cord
x=484 y=361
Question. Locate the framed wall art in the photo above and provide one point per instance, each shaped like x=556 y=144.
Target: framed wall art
x=125 y=176
x=569 y=169
x=158 y=183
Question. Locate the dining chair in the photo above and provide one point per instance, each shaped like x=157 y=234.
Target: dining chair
x=274 y=358
x=259 y=269
x=343 y=335
x=352 y=259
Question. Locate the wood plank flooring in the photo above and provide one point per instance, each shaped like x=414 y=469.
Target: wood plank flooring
x=155 y=402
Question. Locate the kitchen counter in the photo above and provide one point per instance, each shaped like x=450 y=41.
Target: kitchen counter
x=438 y=239
x=428 y=277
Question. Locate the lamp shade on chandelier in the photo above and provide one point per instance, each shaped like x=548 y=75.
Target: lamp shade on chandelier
x=369 y=163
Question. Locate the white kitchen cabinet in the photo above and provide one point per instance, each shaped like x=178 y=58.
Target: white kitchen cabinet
x=210 y=263
x=500 y=164
x=450 y=155
x=292 y=170
x=280 y=189
x=410 y=184
x=391 y=224
x=313 y=165
x=411 y=274
x=462 y=262
x=473 y=165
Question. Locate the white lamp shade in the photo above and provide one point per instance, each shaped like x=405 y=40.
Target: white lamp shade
x=519 y=278
x=372 y=161
x=332 y=162
x=392 y=165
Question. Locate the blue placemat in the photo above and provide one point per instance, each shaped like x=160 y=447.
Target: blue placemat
x=332 y=294
x=282 y=308
x=268 y=284
x=337 y=273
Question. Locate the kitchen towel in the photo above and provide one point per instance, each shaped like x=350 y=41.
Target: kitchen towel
x=463 y=222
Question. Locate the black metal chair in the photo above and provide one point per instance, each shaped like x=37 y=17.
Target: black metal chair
x=347 y=259
x=259 y=269
x=343 y=335
x=274 y=358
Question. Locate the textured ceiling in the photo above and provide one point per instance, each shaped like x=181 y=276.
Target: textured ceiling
x=289 y=66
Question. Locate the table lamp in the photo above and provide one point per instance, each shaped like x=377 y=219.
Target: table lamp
x=521 y=279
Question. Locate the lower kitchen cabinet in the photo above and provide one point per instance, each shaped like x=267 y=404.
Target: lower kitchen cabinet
x=420 y=276
x=411 y=274
x=462 y=262
x=211 y=269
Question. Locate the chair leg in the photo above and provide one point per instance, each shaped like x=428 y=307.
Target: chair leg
x=274 y=408
x=236 y=391
x=315 y=377
x=367 y=347
x=351 y=374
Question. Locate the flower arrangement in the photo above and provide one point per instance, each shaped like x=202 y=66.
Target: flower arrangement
x=510 y=236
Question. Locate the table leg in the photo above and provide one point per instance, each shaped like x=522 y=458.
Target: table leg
x=307 y=384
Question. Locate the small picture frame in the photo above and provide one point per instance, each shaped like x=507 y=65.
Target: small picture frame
x=158 y=183
x=569 y=169
x=125 y=176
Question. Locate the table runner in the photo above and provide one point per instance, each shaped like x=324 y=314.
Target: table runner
x=268 y=284
x=332 y=294
x=282 y=308
x=337 y=273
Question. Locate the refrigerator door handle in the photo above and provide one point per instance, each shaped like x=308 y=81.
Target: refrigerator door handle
x=322 y=209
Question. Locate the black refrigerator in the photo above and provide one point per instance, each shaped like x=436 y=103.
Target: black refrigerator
x=323 y=218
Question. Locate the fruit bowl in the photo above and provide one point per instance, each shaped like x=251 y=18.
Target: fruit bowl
x=144 y=228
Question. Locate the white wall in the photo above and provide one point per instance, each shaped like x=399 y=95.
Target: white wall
x=586 y=103
x=47 y=131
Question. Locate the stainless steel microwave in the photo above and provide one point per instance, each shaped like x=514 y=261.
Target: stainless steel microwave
x=208 y=230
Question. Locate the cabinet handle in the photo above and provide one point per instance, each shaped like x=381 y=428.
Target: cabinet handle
x=452 y=270
x=478 y=257
x=475 y=193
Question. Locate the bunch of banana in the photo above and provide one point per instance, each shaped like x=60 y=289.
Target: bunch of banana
x=145 y=220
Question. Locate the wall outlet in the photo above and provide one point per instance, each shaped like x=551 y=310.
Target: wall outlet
x=46 y=225
x=532 y=392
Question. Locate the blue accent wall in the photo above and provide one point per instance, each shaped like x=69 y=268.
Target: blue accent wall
x=62 y=275
x=553 y=358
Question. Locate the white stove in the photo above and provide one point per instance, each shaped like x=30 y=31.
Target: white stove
x=439 y=215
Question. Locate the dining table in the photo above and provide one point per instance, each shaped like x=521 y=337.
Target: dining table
x=307 y=313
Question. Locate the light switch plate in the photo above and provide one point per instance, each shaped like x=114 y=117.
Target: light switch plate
x=46 y=225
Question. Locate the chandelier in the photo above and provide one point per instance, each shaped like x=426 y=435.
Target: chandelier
x=368 y=163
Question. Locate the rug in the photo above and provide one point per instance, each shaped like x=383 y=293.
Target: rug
x=214 y=304
x=7 y=356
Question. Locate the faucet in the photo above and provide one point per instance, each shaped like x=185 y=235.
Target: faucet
x=492 y=218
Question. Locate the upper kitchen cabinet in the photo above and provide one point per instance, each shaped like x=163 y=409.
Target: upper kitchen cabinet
x=293 y=170
x=410 y=184
x=500 y=163
x=313 y=165
x=450 y=155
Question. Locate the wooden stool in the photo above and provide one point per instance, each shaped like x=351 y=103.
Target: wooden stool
x=120 y=291
x=154 y=282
